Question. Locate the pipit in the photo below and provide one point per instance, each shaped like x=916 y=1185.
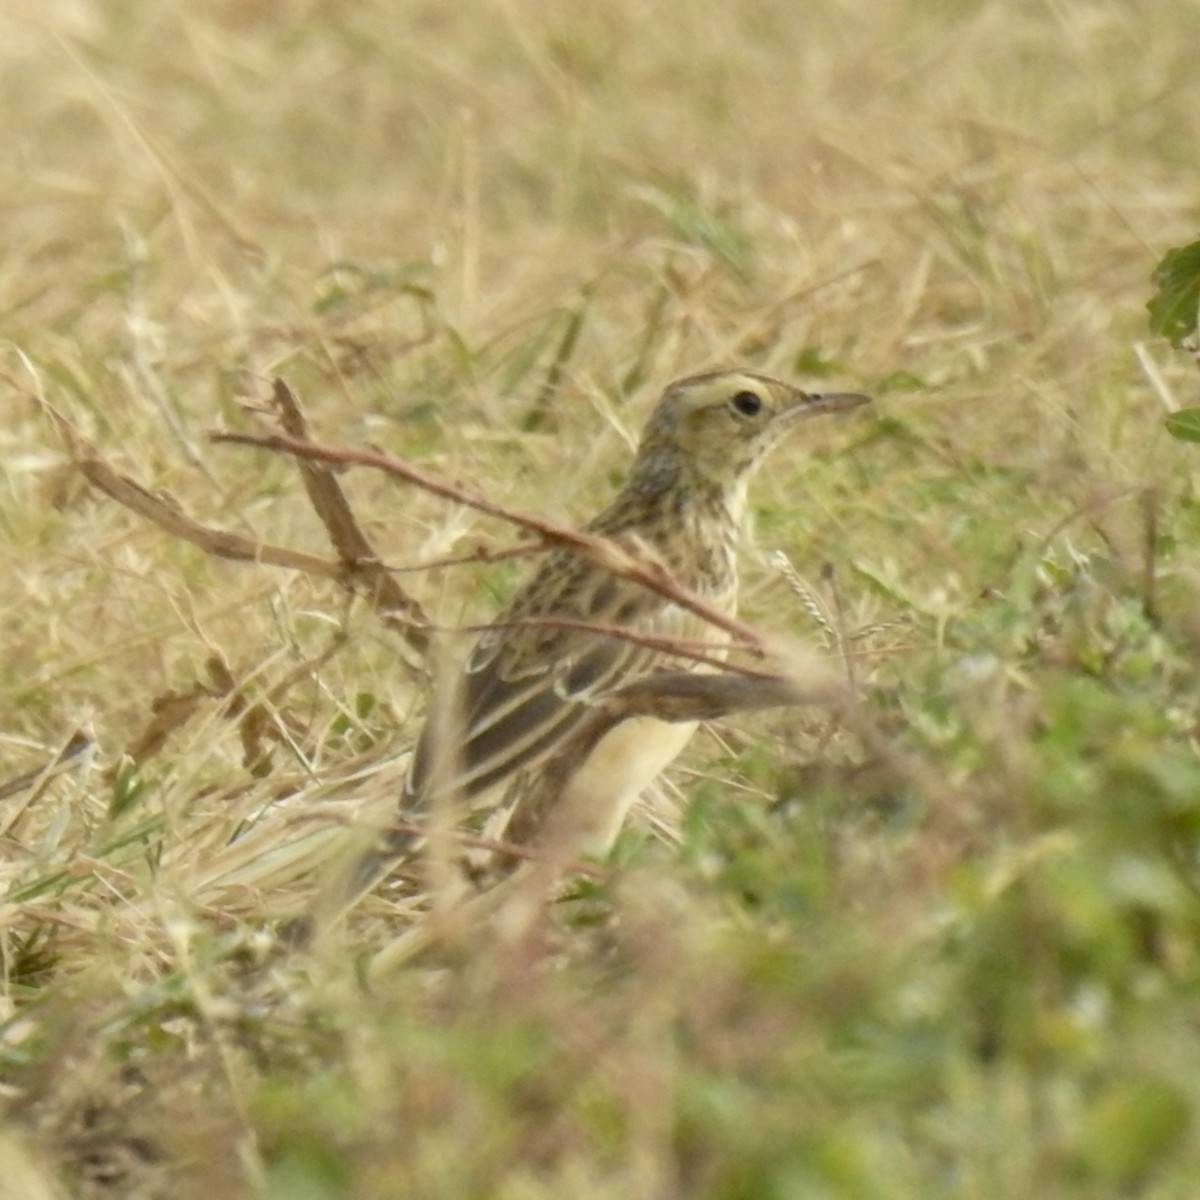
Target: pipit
x=532 y=679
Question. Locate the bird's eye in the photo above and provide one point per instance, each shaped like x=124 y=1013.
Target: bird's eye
x=749 y=404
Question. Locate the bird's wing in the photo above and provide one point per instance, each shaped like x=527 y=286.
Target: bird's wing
x=527 y=685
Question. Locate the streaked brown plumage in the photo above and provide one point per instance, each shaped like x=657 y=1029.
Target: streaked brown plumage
x=527 y=687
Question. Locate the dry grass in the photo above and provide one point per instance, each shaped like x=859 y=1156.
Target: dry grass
x=951 y=952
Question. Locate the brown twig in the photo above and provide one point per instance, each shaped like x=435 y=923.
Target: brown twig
x=164 y=512
x=674 y=696
x=481 y=554
x=358 y=557
x=357 y=560
x=630 y=562
x=694 y=650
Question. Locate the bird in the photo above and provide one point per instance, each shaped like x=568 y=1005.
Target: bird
x=535 y=673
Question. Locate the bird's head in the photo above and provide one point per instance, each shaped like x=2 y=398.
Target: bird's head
x=710 y=431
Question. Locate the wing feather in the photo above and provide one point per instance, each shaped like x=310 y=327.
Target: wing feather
x=527 y=688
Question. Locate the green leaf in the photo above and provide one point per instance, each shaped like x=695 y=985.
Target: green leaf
x=697 y=223
x=1131 y=1128
x=1184 y=424
x=1173 y=311
x=813 y=361
x=899 y=381
x=128 y=787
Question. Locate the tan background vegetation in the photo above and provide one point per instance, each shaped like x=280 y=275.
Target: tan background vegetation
x=483 y=237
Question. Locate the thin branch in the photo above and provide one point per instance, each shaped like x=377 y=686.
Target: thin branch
x=164 y=512
x=359 y=559
x=693 y=696
x=532 y=834
x=672 y=696
x=481 y=554
x=696 y=650
x=629 y=561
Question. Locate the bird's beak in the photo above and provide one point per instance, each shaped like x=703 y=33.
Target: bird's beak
x=813 y=404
